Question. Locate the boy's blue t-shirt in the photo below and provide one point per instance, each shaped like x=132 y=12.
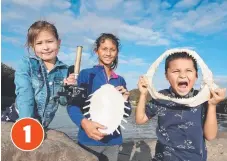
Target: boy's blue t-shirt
x=93 y=79
x=179 y=130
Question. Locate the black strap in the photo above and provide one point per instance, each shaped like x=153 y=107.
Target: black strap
x=90 y=82
x=70 y=70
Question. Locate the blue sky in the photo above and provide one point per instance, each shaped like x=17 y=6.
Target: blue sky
x=146 y=29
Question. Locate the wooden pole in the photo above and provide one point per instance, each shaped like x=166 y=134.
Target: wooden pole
x=78 y=61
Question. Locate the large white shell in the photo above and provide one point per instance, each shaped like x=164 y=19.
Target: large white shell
x=207 y=81
x=107 y=108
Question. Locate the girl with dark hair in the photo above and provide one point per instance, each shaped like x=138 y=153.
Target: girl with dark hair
x=105 y=147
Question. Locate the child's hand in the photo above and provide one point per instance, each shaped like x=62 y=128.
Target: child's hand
x=123 y=91
x=91 y=129
x=217 y=96
x=70 y=80
x=142 y=85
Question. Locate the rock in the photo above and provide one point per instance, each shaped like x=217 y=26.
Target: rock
x=222 y=107
x=56 y=147
x=8 y=86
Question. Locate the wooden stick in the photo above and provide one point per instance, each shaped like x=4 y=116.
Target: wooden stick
x=77 y=61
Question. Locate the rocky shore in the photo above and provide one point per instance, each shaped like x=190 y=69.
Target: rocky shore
x=56 y=147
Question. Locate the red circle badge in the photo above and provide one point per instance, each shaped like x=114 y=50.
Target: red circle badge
x=27 y=134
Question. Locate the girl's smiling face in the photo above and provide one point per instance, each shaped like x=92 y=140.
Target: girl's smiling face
x=107 y=52
x=46 y=46
x=181 y=75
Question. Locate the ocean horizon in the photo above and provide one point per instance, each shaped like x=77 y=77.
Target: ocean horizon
x=132 y=131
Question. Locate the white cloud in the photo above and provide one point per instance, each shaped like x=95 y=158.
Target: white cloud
x=174 y=23
x=132 y=75
x=121 y=61
x=142 y=36
x=106 y=5
x=13 y=40
x=187 y=47
x=221 y=79
x=87 y=60
x=116 y=22
x=161 y=27
x=131 y=78
x=146 y=32
x=62 y=5
x=90 y=41
x=105 y=24
x=131 y=8
x=165 y=5
x=157 y=43
x=202 y=20
x=186 y=4
x=13 y=15
x=40 y=4
x=133 y=61
x=32 y=4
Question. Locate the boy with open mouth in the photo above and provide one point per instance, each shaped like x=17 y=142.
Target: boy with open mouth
x=181 y=130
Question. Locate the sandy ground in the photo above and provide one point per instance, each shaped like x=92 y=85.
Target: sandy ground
x=142 y=150
x=217 y=149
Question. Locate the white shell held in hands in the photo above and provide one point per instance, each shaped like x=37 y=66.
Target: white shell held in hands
x=107 y=108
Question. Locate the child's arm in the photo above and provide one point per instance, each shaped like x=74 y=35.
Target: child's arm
x=24 y=91
x=125 y=93
x=141 y=116
x=70 y=80
x=90 y=127
x=210 y=126
x=74 y=111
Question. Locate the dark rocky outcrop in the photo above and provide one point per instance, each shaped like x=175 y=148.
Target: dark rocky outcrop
x=8 y=86
x=222 y=107
x=134 y=95
x=56 y=147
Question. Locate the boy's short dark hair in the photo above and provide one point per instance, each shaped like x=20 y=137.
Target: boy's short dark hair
x=180 y=55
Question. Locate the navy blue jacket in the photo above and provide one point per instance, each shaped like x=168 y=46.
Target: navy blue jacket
x=93 y=79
